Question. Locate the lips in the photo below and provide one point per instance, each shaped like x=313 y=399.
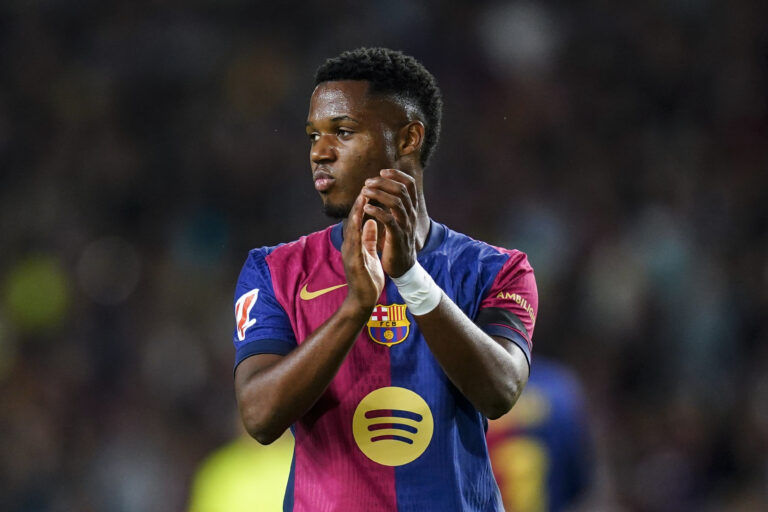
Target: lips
x=323 y=180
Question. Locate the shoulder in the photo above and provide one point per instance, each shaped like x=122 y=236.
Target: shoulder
x=283 y=265
x=313 y=242
x=261 y=259
x=463 y=248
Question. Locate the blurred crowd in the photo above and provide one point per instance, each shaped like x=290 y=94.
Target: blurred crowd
x=146 y=145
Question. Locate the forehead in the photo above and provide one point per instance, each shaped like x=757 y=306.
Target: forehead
x=335 y=99
x=347 y=98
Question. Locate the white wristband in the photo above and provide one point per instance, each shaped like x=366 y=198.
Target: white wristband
x=420 y=292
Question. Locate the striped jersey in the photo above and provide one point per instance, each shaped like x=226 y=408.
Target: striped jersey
x=391 y=432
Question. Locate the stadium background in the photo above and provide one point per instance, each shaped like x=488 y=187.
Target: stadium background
x=145 y=146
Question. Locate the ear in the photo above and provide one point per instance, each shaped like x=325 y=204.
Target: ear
x=410 y=138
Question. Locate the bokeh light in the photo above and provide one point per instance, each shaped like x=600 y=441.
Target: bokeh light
x=36 y=294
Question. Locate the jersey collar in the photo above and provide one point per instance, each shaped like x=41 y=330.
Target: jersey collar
x=435 y=236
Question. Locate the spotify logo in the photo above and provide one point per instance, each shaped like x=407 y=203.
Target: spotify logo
x=392 y=426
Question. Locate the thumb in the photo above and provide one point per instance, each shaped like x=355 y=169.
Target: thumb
x=370 y=236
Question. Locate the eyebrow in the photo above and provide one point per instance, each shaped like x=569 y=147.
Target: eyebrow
x=339 y=118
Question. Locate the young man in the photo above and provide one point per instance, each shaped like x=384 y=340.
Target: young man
x=386 y=340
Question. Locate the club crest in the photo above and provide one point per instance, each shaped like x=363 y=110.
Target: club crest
x=388 y=324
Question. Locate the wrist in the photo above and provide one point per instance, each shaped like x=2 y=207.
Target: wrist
x=403 y=268
x=419 y=291
x=354 y=310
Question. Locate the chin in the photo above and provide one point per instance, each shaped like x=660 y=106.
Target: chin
x=337 y=211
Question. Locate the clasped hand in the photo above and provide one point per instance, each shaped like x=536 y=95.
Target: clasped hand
x=389 y=200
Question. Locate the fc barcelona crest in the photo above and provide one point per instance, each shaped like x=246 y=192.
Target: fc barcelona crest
x=388 y=324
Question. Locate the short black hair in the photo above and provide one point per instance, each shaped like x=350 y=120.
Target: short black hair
x=392 y=72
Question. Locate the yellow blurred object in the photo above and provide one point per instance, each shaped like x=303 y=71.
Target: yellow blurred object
x=7 y=350
x=36 y=294
x=243 y=476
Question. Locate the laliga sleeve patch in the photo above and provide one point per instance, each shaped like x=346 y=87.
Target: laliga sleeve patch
x=243 y=308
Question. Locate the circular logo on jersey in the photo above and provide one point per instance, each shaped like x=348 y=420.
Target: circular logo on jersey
x=392 y=426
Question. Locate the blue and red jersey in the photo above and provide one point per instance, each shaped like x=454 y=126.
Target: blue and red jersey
x=391 y=432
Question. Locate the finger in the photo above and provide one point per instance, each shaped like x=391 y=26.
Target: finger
x=370 y=235
x=384 y=216
x=387 y=201
x=354 y=220
x=405 y=179
x=357 y=210
x=403 y=186
x=391 y=186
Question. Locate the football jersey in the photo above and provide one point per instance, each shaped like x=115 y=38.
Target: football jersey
x=391 y=432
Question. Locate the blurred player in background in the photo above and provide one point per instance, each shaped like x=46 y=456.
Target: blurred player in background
x=387 y=339
x=541 y=451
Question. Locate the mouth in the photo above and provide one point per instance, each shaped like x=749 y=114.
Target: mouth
x=323 y=181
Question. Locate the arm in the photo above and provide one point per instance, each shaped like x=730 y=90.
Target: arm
x=490 y=371
x=274 y=391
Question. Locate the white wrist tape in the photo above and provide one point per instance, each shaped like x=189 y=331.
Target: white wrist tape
x=420 y=292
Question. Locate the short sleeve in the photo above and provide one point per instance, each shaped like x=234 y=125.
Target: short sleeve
x=261 y=324
x=509 y=307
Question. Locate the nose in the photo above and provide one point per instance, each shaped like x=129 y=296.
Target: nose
x=322 y=150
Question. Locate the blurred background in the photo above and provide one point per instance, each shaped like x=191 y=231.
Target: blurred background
x=146 y=146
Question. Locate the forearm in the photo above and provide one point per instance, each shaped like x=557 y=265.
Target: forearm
x=490 y=372
x=273 y=397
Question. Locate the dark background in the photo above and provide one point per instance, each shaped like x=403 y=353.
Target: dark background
x=145 y=146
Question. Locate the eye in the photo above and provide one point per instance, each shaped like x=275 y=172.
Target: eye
x=344 y=133
x=313 y=136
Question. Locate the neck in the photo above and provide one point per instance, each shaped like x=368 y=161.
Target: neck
x=422 y=221
x=422 y=217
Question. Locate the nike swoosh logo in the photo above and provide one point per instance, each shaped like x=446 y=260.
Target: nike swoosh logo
x=307 y=295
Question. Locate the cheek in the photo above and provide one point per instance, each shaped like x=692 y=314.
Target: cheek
x=382 y=149
x=367 y=157
x=389 y=145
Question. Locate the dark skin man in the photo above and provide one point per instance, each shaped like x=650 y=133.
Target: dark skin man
x=365 y=160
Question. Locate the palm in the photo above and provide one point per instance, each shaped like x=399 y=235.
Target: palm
x=390 y=259
x=365 y=275
x=371 y=259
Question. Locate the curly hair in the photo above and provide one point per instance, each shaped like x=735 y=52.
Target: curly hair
x=391 y=72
